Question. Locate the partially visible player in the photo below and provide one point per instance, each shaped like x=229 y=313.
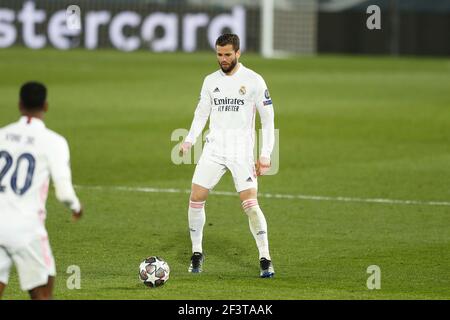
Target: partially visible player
x=229 y=98
x=29 y=155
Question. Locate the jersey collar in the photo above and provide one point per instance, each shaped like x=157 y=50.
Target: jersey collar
x=32 y=121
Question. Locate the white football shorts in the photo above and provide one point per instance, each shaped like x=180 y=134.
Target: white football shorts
x=210 y=169
x=34 y=263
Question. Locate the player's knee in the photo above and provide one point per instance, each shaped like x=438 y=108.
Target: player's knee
x=250 y=206
x=198 y=194
x=2 y=288
x=197 y=198
x=44 y=292
x=249 y=194
x=41 y=295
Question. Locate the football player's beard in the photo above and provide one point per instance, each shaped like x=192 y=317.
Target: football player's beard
x=230 y=67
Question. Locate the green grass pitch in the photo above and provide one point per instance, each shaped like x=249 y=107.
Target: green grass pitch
x=364 y=127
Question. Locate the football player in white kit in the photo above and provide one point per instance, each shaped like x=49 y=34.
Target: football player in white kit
x=29 y=154
x=229 y=98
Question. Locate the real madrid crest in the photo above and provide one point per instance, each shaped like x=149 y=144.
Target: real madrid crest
x=242 y=90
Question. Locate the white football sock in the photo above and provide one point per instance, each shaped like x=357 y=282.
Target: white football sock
x=197 y=218
x=258 y=226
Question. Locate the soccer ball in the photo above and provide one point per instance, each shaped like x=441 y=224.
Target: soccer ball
x=154 y=272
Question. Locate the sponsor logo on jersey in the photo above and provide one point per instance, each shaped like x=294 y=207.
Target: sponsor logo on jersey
x=216 y=90
x=225 y=101
x=266 y=94
x=228 y=104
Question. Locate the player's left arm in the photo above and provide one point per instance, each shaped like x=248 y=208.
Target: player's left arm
x=265 y=109
x=59 y=163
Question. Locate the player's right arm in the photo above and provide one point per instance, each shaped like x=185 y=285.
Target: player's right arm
x=59 y=163
x=200 y=118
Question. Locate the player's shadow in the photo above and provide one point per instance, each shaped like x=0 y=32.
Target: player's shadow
x=234 y=252
x=177 y=251
x=137 y=288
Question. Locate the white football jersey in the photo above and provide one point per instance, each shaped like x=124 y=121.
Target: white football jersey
x=29 y=154
x=230 y=102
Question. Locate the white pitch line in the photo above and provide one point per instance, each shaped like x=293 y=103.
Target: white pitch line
x=276 y=196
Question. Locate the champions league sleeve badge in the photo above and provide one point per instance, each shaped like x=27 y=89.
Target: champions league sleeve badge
x=267 y=96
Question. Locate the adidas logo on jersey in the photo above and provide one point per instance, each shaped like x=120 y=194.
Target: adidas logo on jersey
x=216 y=90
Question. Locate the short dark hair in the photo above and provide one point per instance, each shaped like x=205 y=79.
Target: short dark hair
x=228 y=38
x=33 y=95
